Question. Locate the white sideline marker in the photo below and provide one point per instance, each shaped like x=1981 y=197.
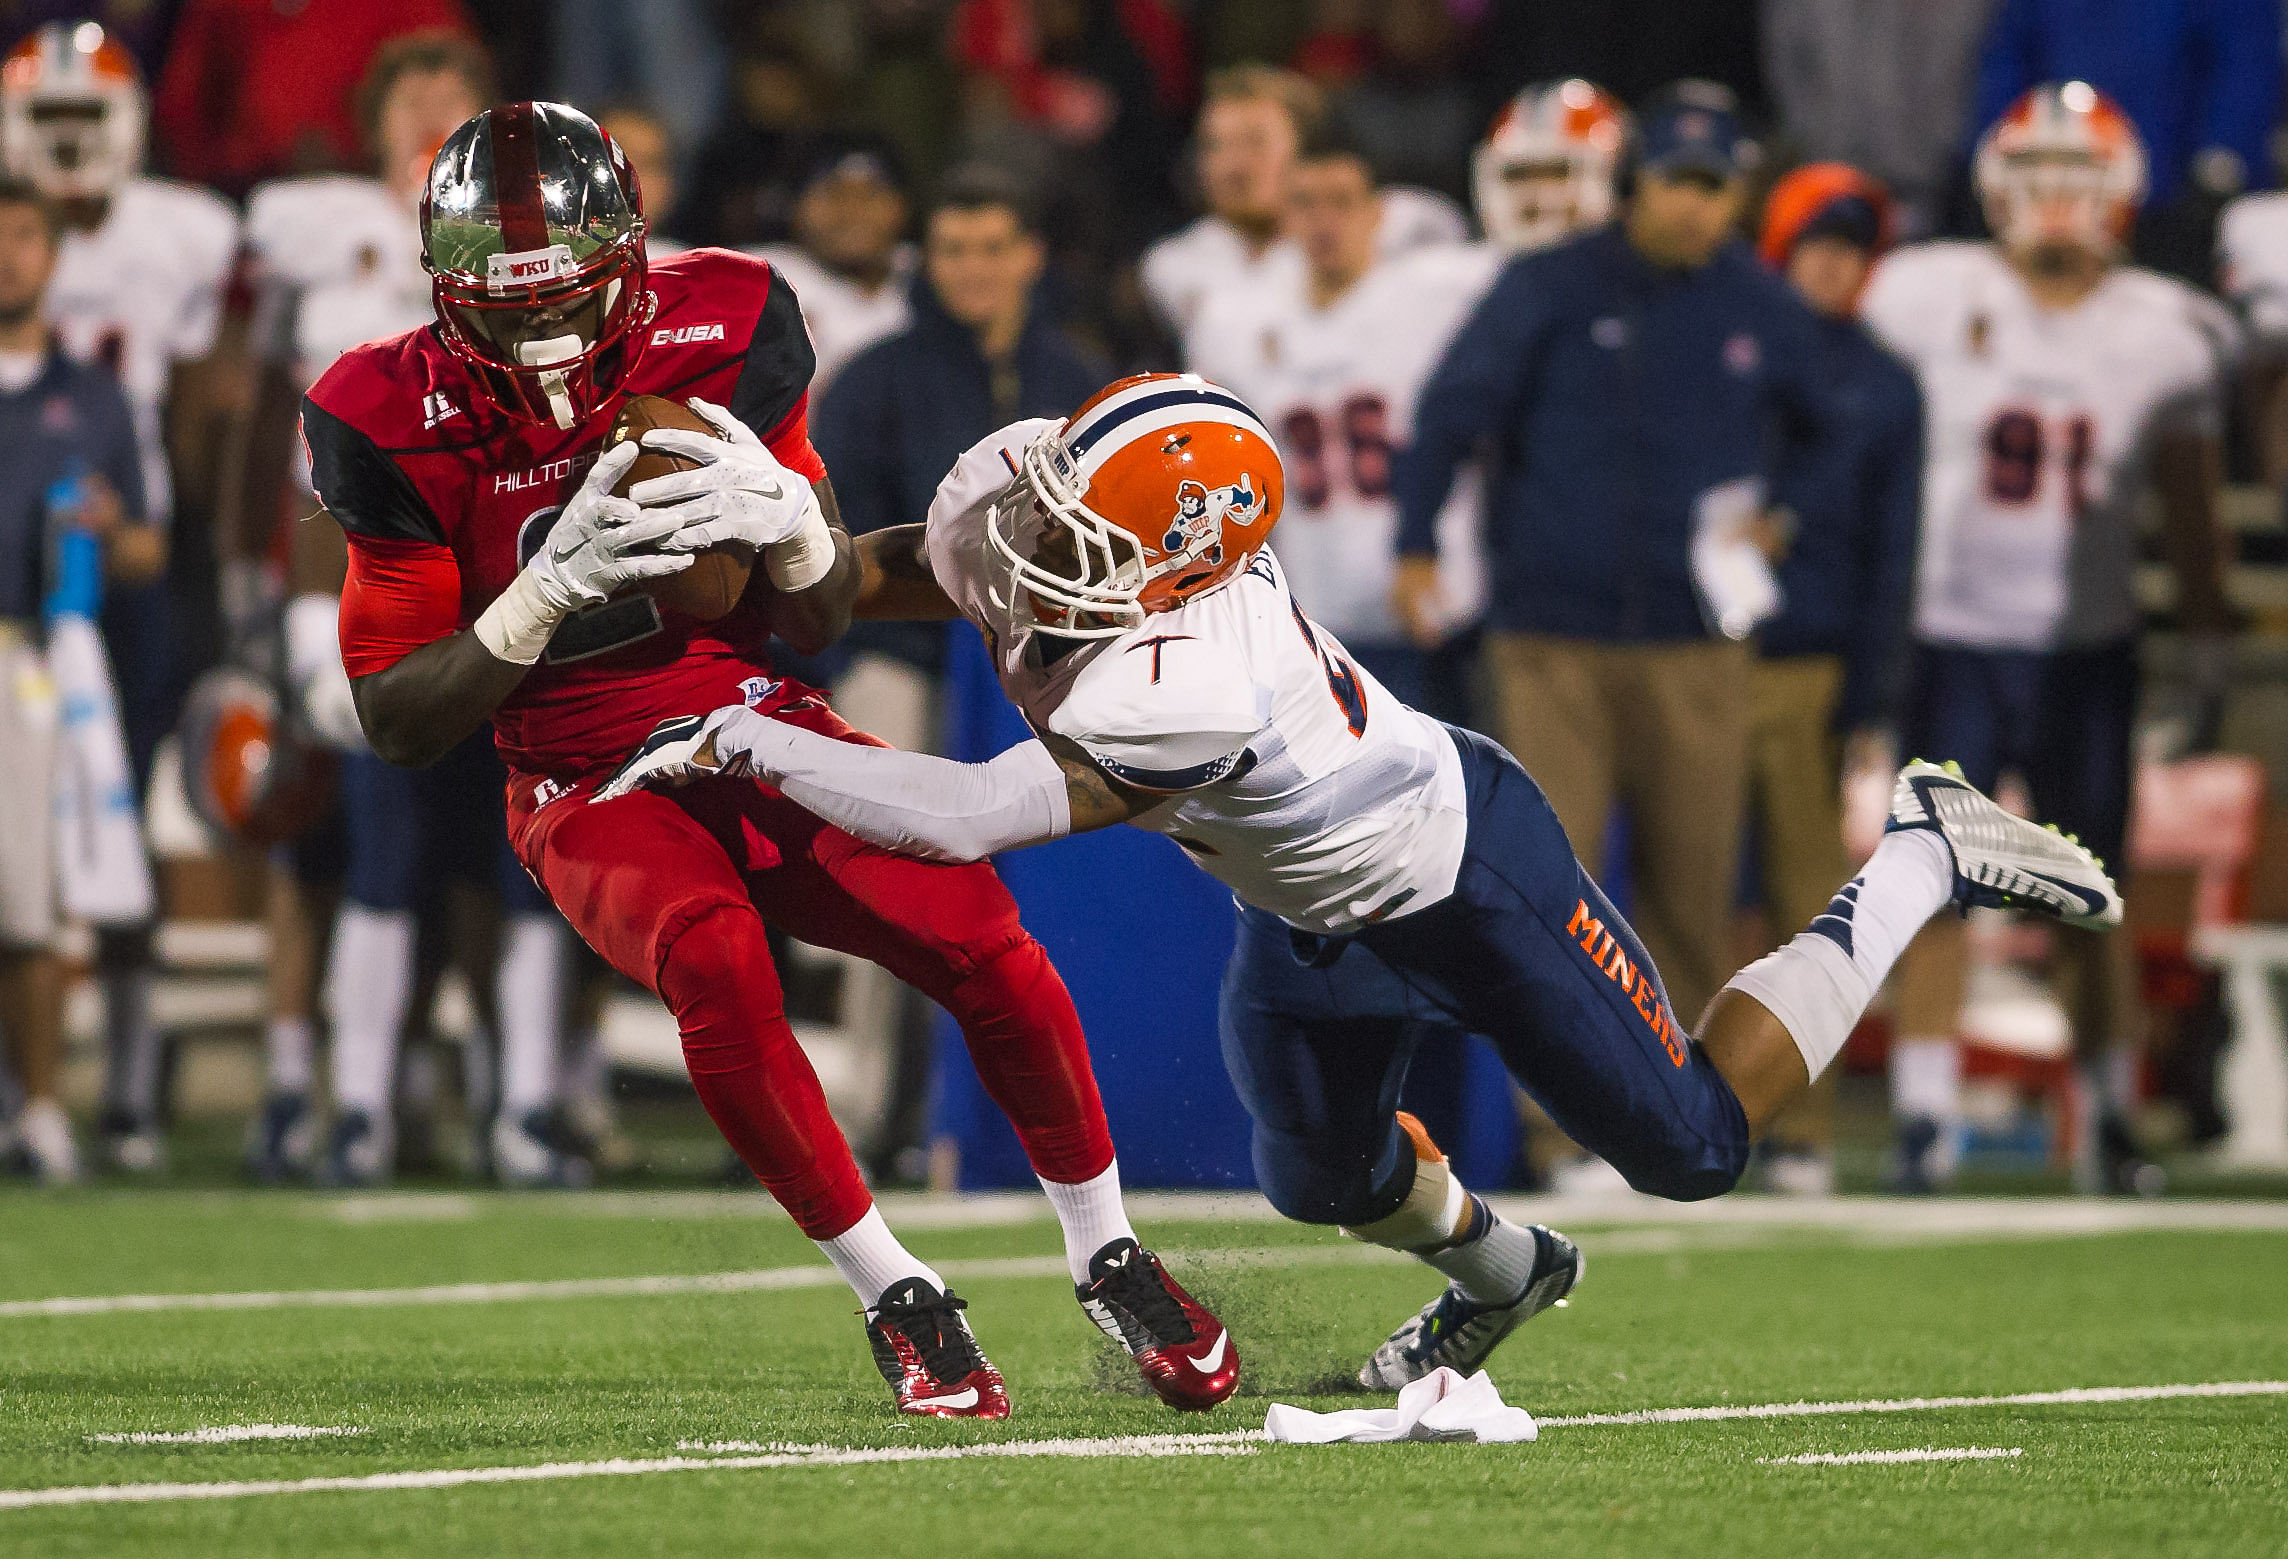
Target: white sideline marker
x=1239 y=1443
x=1928 y=1453
x=225 y=1434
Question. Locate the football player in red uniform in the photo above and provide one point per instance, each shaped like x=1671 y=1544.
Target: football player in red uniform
x=489 y=578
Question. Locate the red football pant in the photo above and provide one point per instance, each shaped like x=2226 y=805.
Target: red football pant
x=673 y=889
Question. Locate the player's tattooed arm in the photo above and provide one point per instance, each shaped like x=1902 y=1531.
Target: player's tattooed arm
x=1097 y=799
x=812 y=618
x=896 y=583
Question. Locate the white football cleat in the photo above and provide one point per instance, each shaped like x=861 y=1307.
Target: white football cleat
x=46 y=1138
x=665 y=757
x=2001 y=861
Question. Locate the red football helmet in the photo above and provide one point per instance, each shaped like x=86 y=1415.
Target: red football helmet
x=72 y=111
x=532 y=229
x=1158 y=489
x=1545 y=170
x=2063 y=166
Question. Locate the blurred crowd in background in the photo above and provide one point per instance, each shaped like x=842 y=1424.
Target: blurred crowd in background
x=1668 y=556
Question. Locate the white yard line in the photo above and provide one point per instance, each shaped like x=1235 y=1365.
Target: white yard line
x=1729 y=1223
x=1239 y=1443
x=1928 y=1453
x=2079 y=1395
x=225 y=1434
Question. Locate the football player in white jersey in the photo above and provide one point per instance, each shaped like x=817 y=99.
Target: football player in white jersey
x=1254 y=121
x=138 y=286
x=2059 y=386
x=850 y=264
x=1115 y=563
x=1333 y=355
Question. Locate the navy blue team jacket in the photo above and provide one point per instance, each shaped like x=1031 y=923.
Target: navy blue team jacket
x=1610 y=394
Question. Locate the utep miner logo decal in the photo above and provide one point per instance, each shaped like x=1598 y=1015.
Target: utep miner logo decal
x=1201 y=511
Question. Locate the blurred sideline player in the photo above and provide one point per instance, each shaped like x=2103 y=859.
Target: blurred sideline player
x=139 y=288
x=339 y=263
x=1115 y=563
x=1332 y=354
x=72 y=466
x=2059 y=383
x=1829 y=661
x=2252 y=270
x=1254 y=120
x=850 y=262
x=488 y=579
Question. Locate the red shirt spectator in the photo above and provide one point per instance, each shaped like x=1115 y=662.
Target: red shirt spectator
x=252 y=89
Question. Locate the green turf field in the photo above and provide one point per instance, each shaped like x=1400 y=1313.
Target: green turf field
x=589 y=1364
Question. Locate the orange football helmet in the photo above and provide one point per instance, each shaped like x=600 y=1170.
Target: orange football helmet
x=2062 y=166
x=72 y=111
x=1158 y=489
x=1546 y=169
x=250 y=774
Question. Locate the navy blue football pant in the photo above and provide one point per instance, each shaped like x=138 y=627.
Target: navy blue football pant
x=408 y=829
x=1318 y=1031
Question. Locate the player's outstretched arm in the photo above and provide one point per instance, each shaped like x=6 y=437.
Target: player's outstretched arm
x=895 y=583
x=909 y=802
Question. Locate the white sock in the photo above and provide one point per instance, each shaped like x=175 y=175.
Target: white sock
x=1092 y=1215
x=1926 y=1078
x=131 y=1043
x=286 y=1054
x=1821 y=982
x=369 y=982
x=587 y=1071
x=1495 y=1267
x=530 y=993
x=871 y=1259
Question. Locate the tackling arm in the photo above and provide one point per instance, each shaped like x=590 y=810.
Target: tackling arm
x=896 y=583
x=909 y=802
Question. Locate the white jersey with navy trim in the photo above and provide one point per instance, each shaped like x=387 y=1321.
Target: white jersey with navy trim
x=142 y=292
x=1291 y=775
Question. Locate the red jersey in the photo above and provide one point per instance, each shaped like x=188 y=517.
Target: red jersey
x=445 y=498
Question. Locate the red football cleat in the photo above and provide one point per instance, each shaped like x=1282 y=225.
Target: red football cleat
x=924 y=1350
x=1184 y=1352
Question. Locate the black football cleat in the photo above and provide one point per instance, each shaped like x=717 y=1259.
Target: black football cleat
x=1183 y=1352
x=925 y=1351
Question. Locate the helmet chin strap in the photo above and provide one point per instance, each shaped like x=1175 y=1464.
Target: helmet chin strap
x=539 y=354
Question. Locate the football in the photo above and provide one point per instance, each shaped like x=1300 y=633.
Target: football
x=712 y=585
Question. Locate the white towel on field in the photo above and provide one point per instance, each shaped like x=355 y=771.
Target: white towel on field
x=1439 y=1406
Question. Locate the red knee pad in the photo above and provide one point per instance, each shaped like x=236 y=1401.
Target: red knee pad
x=1026 y=1042
x=716 y=976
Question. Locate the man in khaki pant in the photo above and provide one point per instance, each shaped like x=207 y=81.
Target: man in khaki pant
x=1662 y=730
x=1628 y=384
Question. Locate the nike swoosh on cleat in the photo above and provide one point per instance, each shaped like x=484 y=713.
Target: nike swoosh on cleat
x=2094 y=903
x=960 y=1399
x=1214 y=1359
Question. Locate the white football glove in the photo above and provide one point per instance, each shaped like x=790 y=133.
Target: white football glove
x=738 y=493
x=670 y=755
x=314 y=671
x=598 y=546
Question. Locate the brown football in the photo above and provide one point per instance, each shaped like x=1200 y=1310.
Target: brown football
x=712 y=585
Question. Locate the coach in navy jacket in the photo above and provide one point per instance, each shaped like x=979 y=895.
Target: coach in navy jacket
x=1616 y=381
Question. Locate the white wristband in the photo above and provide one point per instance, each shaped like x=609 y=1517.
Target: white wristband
x=804 y=558
x=520 y=622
